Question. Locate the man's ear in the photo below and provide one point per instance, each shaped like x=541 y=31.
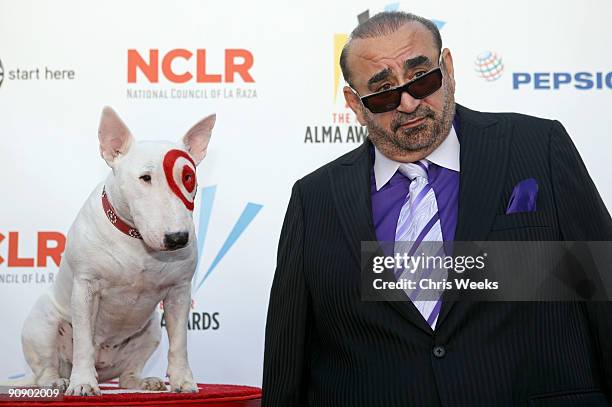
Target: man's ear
x=114 y=136
x=197 y=138
x=354 y=103
x=447 y=59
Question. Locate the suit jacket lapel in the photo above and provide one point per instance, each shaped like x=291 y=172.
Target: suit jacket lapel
x=485 y=143
x=350 y=181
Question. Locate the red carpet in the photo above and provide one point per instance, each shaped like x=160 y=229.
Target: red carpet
x=210 y=395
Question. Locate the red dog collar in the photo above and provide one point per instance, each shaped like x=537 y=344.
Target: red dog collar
x=116 y=220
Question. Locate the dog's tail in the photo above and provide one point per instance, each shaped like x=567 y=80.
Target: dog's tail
x=26 y=381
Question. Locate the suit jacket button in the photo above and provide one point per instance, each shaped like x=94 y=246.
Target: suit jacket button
x=439 y=351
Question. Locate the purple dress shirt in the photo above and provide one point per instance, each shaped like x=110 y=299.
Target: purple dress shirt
x=387 y=202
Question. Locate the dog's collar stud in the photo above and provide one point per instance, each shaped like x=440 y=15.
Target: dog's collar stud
x=119 y=223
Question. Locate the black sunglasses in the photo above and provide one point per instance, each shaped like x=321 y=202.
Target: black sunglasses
x=418 y=88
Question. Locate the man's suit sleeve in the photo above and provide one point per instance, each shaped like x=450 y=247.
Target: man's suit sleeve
x=583 y=216
x=288 y=314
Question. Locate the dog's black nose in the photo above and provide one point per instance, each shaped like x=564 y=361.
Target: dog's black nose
x=175 y=241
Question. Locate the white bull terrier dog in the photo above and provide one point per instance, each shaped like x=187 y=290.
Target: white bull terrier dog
x=131 y=246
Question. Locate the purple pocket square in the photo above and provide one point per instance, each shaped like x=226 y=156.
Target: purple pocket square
x=524 y=197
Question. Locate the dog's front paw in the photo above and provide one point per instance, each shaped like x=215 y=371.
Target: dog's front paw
x=186 y=386
x=83 y=389
x=132 y=381
x=181 y=379
x=153 y=383
x=182 y=382
x=60 y=384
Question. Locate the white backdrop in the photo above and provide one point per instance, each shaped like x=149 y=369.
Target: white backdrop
x=261 y=144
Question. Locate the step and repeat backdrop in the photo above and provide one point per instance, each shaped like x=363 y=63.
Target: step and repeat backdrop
x=269 y=70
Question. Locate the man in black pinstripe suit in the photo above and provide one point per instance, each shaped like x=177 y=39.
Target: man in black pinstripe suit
x=325 y=346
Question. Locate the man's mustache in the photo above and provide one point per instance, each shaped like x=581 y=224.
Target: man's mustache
x=421 y=113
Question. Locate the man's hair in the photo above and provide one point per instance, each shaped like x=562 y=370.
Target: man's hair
x=381 y=24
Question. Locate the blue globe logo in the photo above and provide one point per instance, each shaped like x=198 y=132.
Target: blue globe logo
x=489 y=66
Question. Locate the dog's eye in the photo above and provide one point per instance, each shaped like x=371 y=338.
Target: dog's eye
x=146 y=178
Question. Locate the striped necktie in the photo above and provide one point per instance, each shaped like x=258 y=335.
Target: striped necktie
x=418 y=226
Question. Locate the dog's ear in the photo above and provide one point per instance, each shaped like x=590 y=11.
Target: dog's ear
x=115 y=138
x=197 y=138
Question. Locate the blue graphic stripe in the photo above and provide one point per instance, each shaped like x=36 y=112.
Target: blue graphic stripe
x=392 y=7
x=206 y=205
x=16 y=376
x=438 y=23
x=248 y=214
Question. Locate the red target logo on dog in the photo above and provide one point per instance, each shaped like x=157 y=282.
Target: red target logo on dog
x=181 y=176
